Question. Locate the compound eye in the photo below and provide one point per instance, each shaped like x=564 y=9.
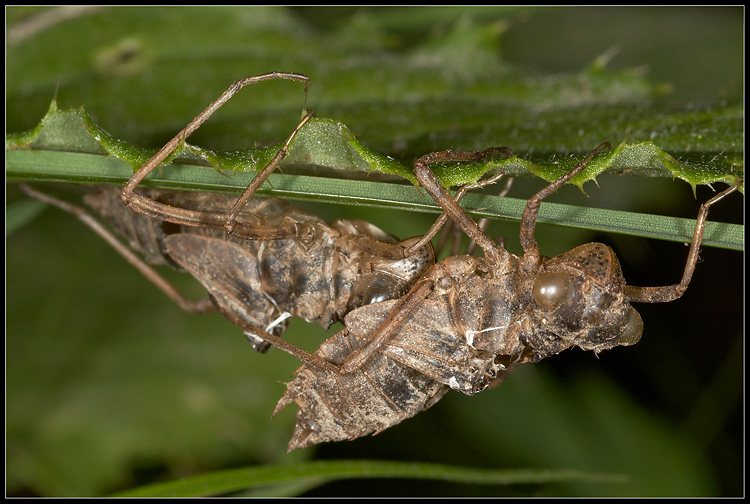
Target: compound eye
x=380 y=288
x=633 y=330
x=553 y=289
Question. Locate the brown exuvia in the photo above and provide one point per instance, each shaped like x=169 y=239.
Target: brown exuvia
x=468 y=321
x=413 y=329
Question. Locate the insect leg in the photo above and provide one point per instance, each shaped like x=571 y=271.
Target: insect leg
x=201 y=306
x=430 y=183
x=259 y=232
x=400 y=312
x=671 y=292
x=257 y=333
x=484 y=222
x=164 y=212
x=529 y=216
x=440 y=222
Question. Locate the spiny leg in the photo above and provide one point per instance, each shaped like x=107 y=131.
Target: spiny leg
x=385 y=330
x=484 y=222
x=201 y=306
x=357 y=358
x=430 y=183
x=531 y=211
x=259 y=333
x=449 y=155
x=231 y=222
x=453 y=232
x=671 y=292
x=440 y=221
x=164 y=212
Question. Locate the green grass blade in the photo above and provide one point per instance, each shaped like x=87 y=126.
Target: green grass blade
x=92 y=169
x=235 y=480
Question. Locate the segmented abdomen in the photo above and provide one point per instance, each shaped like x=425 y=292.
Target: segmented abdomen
x=424 y=356
x=337 y=407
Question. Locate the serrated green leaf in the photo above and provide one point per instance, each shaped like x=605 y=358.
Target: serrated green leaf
x=329 y=145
